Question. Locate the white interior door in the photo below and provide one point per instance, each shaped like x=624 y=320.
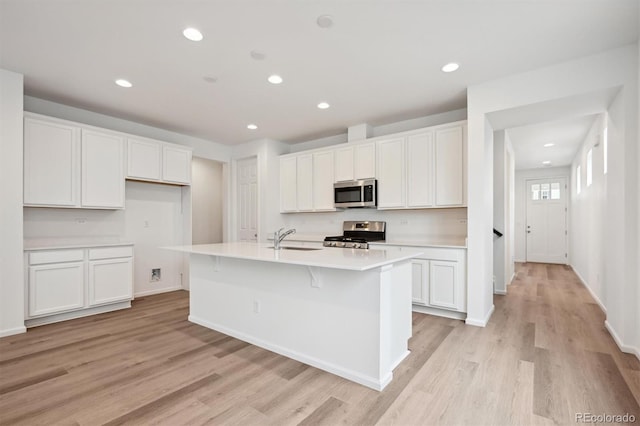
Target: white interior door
x=547 y=220
x=247 y=178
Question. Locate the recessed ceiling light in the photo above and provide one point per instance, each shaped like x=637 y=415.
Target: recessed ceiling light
x=123 y=83
x=546 y=163
x=210 y=79
x=252 y=126
x=192 y=34
x=547 y=145
x=275 y=79
x=325 y=21
x=323 y=105
x=450 y=67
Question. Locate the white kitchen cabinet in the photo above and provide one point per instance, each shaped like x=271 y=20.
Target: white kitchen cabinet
x=420 y=281
x=344 y=164
x=144 y=159
x=157 y=161
x=450 y=166
x=355 y=162
x=110 y=274
x=444 y=291
x=391 y=173
x=51 y=163
x=102 y=170
x=304 y=182
x=420 y=170
x=176 y=164
x=288 y=184
x=323 y=176
x=69 y=283
x=55 y=288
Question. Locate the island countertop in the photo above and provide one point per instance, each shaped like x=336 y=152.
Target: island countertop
x=327 y=257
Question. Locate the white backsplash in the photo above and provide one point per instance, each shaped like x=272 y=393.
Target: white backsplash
x=405 y=225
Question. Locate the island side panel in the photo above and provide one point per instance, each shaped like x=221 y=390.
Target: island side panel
x=335 y=327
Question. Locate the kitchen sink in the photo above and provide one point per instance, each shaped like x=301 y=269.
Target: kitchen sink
x=298 y=248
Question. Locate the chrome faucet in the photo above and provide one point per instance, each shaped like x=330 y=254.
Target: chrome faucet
x=278 y=237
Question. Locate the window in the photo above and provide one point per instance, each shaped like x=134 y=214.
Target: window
x=544 y=191
x=604 y=143
x=590 y=167
x=535 y=192
x=578 y=180
x=555 y=191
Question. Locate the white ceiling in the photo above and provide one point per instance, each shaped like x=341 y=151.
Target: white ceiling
x=566 y=135
x=379 y=63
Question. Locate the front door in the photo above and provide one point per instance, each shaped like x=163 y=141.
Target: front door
x=247 y=178
x=547 y=220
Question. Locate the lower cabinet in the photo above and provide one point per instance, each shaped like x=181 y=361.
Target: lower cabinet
x=67 y=283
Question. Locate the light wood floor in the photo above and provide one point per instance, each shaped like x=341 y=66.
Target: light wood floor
x=544 y=357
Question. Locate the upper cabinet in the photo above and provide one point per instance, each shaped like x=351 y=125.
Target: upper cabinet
x=157 y=161
x=355 y=162
x=423 y=169
x=306 y=182
x=68 y=166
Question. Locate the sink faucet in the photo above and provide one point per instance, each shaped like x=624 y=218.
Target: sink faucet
x=278 y=237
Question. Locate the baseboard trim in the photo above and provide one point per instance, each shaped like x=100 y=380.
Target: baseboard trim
x=584 y=283
x=12 y=331
x=500 y=292
x=482 y=322
x=354 y=376
x=439 y=312
x=157 y=291
x=624 y=348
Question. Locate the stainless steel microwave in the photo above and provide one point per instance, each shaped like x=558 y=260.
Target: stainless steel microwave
x=355 y=193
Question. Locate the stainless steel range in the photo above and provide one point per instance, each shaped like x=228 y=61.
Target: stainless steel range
x=357 y=234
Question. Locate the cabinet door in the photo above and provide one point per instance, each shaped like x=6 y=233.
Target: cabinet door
x=176 y=164
x=144 y=159
x=444 y=286
x=391 y=173
x=56 y=288
x=420 y=281
x=304 y=182
x=449 y=166
x=323 y=181
x=344 y=164
x=110 y=280
x=420 y=170
x=288 y=187
x=51 y=163
x=102 y=170
x=365 y=161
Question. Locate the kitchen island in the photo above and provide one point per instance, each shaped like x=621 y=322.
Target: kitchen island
x=345 y=311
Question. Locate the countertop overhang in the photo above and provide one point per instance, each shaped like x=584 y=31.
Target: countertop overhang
x=327 y=257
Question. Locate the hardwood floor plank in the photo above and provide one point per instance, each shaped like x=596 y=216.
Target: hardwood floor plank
x=33 y=380
x=323 y=414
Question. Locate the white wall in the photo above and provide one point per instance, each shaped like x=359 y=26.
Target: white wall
x=503 y=210
x=587 y=214
x=206 y=201
x=153 y=218
x=520 y=204
x=11 y=258
x=611 y=69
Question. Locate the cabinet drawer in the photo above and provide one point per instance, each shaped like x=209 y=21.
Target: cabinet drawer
x=110 y=252
x=55 y=256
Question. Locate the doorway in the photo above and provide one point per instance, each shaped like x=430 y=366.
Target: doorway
x=546 y=231
x=247 y=199
x=206 y=201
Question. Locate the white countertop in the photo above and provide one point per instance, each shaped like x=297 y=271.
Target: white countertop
x=71 y=243
x=334 y=258
x=440 y=242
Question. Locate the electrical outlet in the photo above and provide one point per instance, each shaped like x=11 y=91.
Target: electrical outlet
x=462 y=221
x=146 y=223
x=404 y=222
x=256 y=306
x=156 y=274
x=81 y=220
